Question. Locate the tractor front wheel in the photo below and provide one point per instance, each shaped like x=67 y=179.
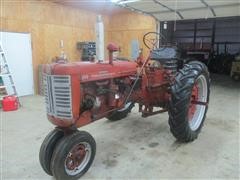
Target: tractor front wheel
x=189 y=101
x=47 y=149
x=73 y=156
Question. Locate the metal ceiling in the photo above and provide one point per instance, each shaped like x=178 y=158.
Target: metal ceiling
x=167 y=10
x=97 y=6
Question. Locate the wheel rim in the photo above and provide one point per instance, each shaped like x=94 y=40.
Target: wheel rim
x=198 y=103
x=78 y=158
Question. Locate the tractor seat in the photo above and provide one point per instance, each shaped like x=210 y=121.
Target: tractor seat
x=164 y=54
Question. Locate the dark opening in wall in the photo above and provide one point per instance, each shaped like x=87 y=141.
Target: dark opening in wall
x=214 y=41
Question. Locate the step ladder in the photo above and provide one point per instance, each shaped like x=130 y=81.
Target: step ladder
x=6 y=73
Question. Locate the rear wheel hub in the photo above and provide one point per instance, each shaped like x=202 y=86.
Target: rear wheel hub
x=198 y=103
x=192 y=107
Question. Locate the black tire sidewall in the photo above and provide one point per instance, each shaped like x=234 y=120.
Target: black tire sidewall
x=62 y=150
x=47 y=148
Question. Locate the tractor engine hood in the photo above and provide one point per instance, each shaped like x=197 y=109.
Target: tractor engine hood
x=67 y=78
x=92 y=71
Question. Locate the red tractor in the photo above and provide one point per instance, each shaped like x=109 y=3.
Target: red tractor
x=80 y=93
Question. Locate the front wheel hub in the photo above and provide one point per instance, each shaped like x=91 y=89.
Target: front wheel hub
x=77 y=158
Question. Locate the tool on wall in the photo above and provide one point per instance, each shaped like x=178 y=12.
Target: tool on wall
x=5 y=73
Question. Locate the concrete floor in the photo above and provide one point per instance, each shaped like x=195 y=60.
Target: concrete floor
x=134 y=147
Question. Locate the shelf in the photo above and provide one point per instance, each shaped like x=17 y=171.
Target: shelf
x=7 y=74
x=6 y=86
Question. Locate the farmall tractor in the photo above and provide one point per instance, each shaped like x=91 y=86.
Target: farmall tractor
x=82 y=92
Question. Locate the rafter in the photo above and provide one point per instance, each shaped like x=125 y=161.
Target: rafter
x=198 y=8
x=207 y=5
x=170 y=9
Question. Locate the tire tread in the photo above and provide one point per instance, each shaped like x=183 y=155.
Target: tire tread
x=180 y=99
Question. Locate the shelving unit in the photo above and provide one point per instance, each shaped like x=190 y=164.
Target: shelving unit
x=88 y=49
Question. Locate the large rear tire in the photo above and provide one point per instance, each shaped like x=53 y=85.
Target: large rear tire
x=47 y=149
x=122 y=113
x=189 y=101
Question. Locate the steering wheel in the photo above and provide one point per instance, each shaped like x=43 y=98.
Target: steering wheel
x=152 y=40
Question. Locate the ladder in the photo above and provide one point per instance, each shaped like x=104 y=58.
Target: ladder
x=6 y=73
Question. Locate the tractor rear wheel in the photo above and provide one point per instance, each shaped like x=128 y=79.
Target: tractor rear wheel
x=47 y=149
x=121 y=113
x=73 y=156
x=189 y=101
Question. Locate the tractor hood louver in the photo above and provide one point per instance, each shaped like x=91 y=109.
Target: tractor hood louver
x=58 y=97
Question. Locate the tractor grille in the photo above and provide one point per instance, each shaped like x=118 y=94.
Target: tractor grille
x=58 y=98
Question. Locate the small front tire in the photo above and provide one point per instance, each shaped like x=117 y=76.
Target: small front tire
x=47 y=148
x=73 y=156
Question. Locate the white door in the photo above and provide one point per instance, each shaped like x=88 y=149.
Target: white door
x=18 y=51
